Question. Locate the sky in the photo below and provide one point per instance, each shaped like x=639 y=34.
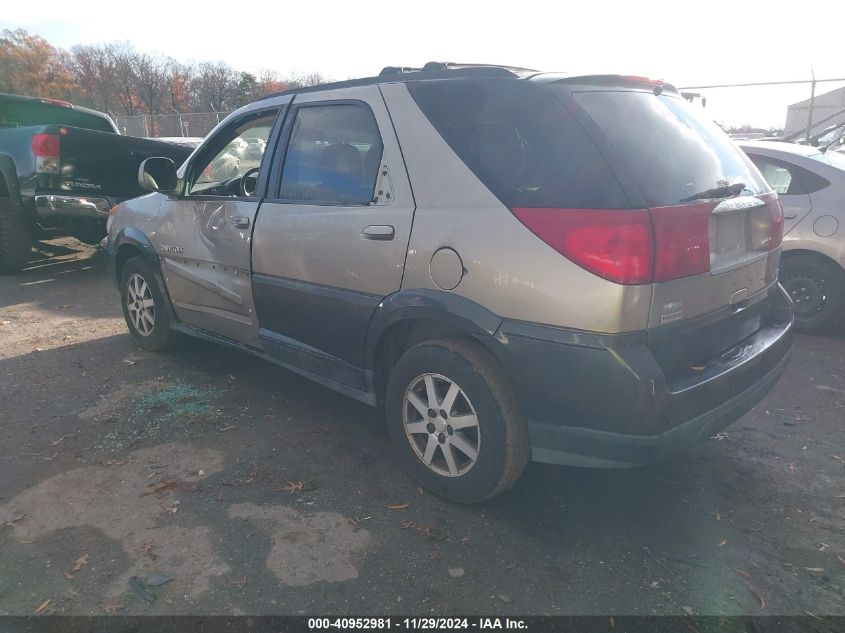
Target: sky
x=687 y=43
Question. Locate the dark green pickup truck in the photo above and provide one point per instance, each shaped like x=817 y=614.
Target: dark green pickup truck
x=62 y=168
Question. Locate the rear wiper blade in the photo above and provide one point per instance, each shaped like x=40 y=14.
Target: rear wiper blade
x=717 y=193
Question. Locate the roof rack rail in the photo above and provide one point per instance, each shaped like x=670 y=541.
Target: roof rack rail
x=435 y=70
x=434 y=66
x=397 y=70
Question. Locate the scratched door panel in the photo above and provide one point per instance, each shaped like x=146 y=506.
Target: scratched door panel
x=205 y=262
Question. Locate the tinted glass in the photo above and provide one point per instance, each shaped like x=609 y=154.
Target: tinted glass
x=35 y=113
x=333 y=156
x=670 y=148
x=521 y=142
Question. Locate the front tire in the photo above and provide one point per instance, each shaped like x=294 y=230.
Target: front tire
x=817 y=288
x=15 y=238
x=454 y=419
x=145 y=308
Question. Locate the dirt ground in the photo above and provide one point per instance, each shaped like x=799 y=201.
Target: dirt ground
x=259 y=492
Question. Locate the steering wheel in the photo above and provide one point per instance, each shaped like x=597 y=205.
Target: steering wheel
x=248 y=183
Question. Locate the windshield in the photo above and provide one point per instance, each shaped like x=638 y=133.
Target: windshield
x=673 y=152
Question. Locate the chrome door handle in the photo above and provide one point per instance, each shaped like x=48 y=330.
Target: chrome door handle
x=383 y=232
x=790 y=216
x=240 y=222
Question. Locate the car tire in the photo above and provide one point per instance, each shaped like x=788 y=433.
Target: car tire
x=145 y=308
x=817 y=288
x=15 y=238
x=91 y=236
x=466 y=380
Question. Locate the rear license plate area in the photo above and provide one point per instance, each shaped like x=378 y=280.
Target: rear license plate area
x=728 y=244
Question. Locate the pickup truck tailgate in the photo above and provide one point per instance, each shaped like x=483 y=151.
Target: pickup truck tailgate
x=98 y=163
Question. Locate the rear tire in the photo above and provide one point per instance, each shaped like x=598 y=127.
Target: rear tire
x=145 y=308
x=817 y=288
x=466 y=443
x=15 y=238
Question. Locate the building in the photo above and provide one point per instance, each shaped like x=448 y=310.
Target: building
x=830 y=104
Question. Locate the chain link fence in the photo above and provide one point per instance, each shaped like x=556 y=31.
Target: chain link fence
x=196 y=124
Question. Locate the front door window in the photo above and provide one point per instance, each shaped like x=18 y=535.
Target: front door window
x=234 y=159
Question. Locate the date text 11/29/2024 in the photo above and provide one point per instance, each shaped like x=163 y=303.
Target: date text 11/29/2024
x=416 y=624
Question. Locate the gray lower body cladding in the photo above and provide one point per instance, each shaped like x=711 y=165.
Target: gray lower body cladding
x=616 y=401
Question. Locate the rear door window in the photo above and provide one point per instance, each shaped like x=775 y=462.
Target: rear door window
x=521 y=142
x=333 y=156
x=673 y=152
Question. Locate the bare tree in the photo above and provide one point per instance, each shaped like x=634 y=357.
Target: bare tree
x=93 y=70
x=124 y=63
x=302 y=80
x=153 y=75
x=214 y=84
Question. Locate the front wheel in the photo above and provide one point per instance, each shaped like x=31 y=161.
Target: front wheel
x=817 y=289
x=145 y=308
x=15 y=238
x=455 y=422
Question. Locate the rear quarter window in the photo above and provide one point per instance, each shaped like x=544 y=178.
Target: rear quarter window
x=521 y=142
x=788 y=179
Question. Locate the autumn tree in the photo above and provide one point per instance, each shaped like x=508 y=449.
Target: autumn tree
x=118 y=79
x=30 y=65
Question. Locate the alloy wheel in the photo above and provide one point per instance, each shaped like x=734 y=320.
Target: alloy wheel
x=441 y=425
x=139 y=301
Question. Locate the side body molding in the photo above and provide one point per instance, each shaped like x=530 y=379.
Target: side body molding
x=430 y=305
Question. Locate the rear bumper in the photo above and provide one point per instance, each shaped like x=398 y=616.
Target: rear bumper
x=604 y=401
x=52 y=208
x=586 y=447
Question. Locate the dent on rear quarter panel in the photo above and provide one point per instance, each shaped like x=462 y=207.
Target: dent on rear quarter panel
x=509 y=270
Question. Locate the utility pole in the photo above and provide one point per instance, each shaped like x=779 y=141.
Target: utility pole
x=812 y=104
x=181 y=125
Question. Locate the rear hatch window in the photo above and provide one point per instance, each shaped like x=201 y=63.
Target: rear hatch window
x=673 y=152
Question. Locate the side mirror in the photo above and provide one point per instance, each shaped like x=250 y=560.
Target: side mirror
x=158 y=174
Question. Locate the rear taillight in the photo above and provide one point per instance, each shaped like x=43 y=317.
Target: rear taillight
x=638 y=246
x=614 y=244
x=45 y=147
x=682 y=240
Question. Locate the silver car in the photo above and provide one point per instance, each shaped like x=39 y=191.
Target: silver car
x=811 y=185
x=515 y=265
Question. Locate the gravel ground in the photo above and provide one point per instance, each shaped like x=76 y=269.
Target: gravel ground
x=259 y=492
